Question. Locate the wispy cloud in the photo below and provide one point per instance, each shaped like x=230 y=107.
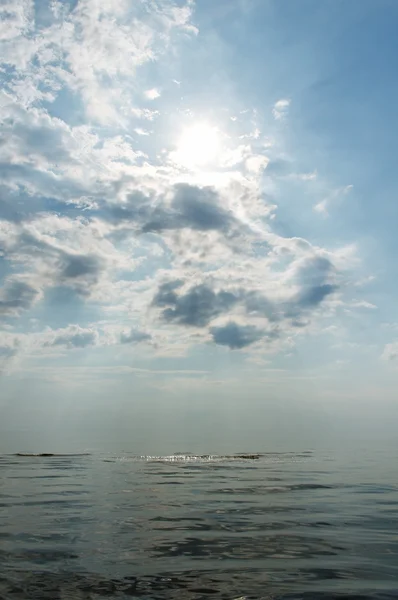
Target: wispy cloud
x=324 y=205
x=140 y=131
x=390 y=351
x=281 y=109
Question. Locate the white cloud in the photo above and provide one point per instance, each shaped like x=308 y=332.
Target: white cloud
x=323 y=206
x=363 y=304
x=145 y=113
x=257 y=163
x=10 y=344
x=140 y=131
x=390 y=351
x=312 y=176
x=84 y=48
x=152 y=94
x=281 y=108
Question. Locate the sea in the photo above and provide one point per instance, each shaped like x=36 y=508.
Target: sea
x=273 y=525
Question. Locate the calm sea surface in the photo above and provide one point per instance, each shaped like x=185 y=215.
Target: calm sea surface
x=284 y=525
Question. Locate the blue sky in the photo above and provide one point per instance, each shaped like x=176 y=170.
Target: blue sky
x=197 y=216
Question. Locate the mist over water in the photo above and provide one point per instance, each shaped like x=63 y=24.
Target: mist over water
x=306 y=524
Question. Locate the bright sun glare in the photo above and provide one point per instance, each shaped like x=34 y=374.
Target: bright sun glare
x=197 y=146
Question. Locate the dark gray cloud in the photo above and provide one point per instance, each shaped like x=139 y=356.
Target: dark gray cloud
x=80 y=265
x=299 y=324
x=166 y=293
x=308 y=297
x=313 y=296
x=38 y=185
x=17 y=295
x=314 y=271
x=315 y=280
x=194 y=208
x=191 y=207
x=137 y=209
x=197 y=307
x=134 y=336
x=7 y=352
x=80 y=271
x=42 y=138
x=74 y=338
x=257 y=304
x=31 y=245
x=236 y=336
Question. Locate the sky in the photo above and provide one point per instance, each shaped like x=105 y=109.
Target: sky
x=198 y=211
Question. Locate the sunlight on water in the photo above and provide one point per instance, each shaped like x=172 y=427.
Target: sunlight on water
x=178 y=457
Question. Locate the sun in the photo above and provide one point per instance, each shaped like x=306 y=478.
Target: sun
x=198 y=146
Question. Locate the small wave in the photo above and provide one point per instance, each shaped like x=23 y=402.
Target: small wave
x=47 y=454
x=310 y=486
x=189 y=585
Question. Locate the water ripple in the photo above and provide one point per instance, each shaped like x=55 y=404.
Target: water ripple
x=281 y=526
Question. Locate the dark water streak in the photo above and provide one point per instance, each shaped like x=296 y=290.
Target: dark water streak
x=275 y=525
